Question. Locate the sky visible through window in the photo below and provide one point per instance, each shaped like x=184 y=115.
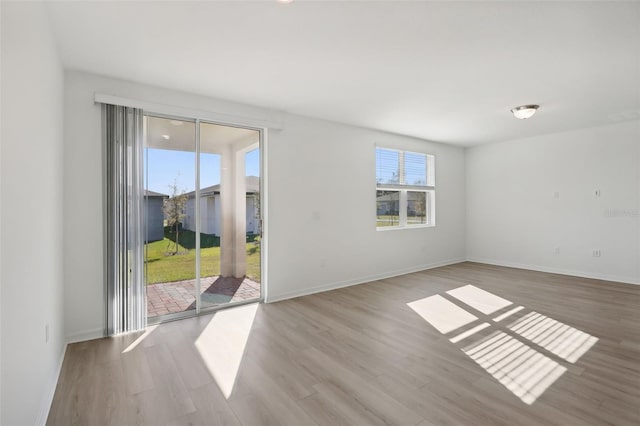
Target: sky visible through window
x=164 y=167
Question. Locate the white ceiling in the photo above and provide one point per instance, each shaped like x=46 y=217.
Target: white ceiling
x=443 y=71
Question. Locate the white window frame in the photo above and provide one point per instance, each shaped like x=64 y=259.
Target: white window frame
x=404 y=189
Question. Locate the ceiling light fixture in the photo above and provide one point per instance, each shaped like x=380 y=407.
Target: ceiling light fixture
x=176 y=122
x=524 y=111
x=166 y=137
x=284 y=1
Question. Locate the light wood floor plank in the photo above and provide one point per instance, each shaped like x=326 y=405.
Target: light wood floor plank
x=360 y=355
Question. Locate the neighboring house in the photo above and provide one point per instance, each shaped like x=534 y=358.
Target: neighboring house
x=153 y=207
x=388 y=204
x=210 y=208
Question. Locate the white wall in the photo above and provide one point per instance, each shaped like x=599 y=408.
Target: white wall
x=513 y=217
x=32 y=211
x=321 y=209
x=322 y=224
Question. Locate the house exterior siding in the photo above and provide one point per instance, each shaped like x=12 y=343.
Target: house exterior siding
x=155 y=218
x=210 y=212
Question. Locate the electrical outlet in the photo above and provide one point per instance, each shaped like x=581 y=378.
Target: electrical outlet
x=46 y=333
x=596 y=253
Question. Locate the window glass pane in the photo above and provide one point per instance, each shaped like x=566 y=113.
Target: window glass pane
x=387 y=208
x=416 y=208
x=415 y=168
x=387 y=166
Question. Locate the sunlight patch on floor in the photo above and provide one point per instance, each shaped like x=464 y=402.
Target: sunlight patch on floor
x=443 y=315
x=469 y=332
x=521 y=369
x=483 y=301
x=222 y=344
x=558 y=338
x=150 y=329
x=508 y=313
x=518 y=355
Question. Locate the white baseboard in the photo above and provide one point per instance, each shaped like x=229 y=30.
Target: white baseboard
x=50 y=391
x=84 y=335
x=560 y=271
x=361 y=280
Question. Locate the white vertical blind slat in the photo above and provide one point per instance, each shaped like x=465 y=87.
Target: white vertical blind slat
x=126 y=304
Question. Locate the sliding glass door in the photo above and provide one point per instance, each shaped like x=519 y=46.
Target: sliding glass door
x=203 y=222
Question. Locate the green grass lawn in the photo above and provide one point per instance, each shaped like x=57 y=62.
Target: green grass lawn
x=387 y=220
x=164 y=266
x=395 y=220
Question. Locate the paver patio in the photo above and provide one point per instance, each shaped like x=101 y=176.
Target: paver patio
x=179 y=296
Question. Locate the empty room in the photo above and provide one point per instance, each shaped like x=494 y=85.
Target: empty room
x=298 y=212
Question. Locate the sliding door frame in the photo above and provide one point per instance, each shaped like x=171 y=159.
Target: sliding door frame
x=199 y=310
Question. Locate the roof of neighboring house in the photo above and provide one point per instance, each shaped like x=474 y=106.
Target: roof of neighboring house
x=148 y=193
x=253 y=186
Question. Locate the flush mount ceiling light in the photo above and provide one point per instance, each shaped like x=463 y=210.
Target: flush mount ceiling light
x=166 y=137
x=284 y=1
x=524 y=111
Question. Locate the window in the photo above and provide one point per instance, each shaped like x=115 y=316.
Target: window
x=405 y=189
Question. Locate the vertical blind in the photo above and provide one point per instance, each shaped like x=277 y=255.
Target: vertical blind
x=123 y=141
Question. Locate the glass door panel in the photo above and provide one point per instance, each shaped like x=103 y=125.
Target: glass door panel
x=170 y=244
x=229 y=214
x=210 y=229
x=203 y=219
x=254 y=216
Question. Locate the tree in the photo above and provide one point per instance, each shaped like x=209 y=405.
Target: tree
x=174 y=209
x=420 y=206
